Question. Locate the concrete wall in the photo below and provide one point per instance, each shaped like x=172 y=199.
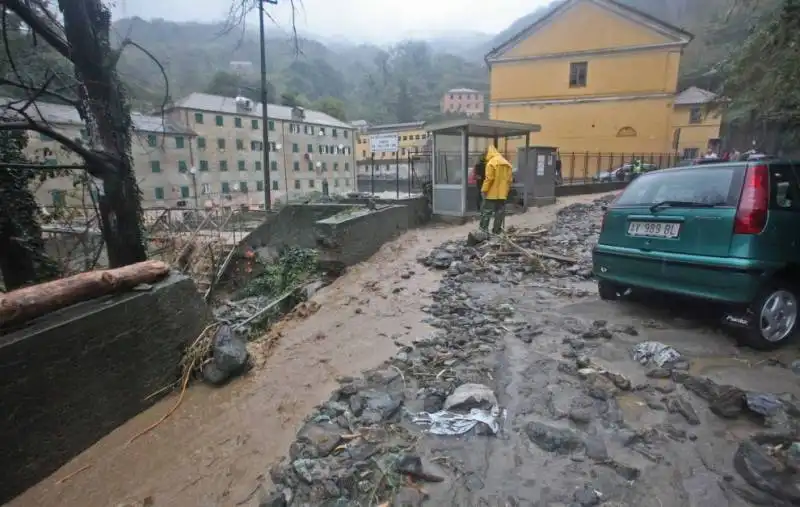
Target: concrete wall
x=589 y=188
x=293 y=225
x=419 y=211
x=71 y=377
x=348 y=239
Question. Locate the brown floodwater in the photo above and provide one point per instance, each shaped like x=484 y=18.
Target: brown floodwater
x=216 y=448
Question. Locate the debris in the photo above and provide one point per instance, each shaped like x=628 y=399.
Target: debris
x=229 y=357
x=450 y=423
x=468 y=396
x=656 y=353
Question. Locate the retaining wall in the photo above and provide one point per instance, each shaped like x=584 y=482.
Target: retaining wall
x=69 y=378
x=349 y=238
x=293 y=225
x=419 y=211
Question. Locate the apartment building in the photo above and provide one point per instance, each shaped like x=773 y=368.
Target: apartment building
x=309 y=151
x=463 y=100
x=207 y=151
x=411 y=139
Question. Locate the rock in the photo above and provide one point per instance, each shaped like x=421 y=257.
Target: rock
x=680 y=405
x=273 y=499
x=761 y=470
x=468 y=396
x=796 y=366
x=764 y=404
x=312 y=470
x=433 y=403
x=729 y=403
x=321 y=437
x=587 y=496
x=411 y=465
x=409 y=497
x=581 y=415
x=552 y=439
x=378 y=406
x=619 y=381
x=701 y=386
x=476 y=238
x=595 y=448
x=658 y=373
x=229 y=356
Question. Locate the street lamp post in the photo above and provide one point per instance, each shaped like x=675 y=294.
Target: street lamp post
x=264 y=117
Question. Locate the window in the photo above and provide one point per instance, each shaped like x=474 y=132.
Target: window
x=293 y=128
x=577 y=74
x=237 y=122
x=334 y=133
x=297 y=184
x=220 y=144
x=405 y=138
x=204 y=165
x=271 y=125
x=295 y=148
x=336 y=166
x=296 y=165
x=273 y=165
x=347 y=166
x=258 y=165
x=310 y=148
x=336 y=182
x=243 y=186
x=158 y=192
x=363 y=153
x=205 y=189
x=242 y=165
x=254 y=124
x=198 y=117
x=240 y=144
x=260 y=186
x=219 y=121
x=182 y=167
x=322 y=131
x=347 y=183
x=324 y=166
x=201 y=143
x=311 y=166
x=151 y=140
x=256 y=146
x=720 y=186
x=179 y=142
x=223 y=165
x=311 y=183
x=184 y=192
x=226 y=187
x=691 y=153
x=785 y=192
x=275 y=185
x=155 y=166
x=345 y=134
x=695 y=115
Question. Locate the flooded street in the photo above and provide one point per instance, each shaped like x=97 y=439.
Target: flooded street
x=219 y=444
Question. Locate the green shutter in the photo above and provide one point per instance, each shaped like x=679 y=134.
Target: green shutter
x=260 y=186
x=237 y=122
x=182 y=168
x=204 y=165
x=201 y=142
x=271 y=124
x=346 y=164
x=295 y=148
x=198 y=118
x=221 y=144
x=59 y=197
x=311 y=166
x=223 y=165
x=226 y=188
x=296 y=165
x=275 y=185
x=239 y=144
x=258 y=165
x=273 y=165
x=184 y=192
x=242 y=165
x=159 y=192
x=310 y=148
x=179 y=142
x=219 y=121
x=151 y=140
x=155 y=166
x=243 y=186
x=254 y=124
x=336 y=166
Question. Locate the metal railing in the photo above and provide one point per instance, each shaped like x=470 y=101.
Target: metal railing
x=401 y=176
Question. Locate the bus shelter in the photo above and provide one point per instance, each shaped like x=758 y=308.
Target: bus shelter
x=457 y=146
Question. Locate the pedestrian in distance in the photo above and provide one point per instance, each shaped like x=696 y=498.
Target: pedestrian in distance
x=495 y=189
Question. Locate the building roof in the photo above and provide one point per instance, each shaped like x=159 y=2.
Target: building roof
x=482 y=128
x=694 y=96
x=462 y=90
x=227 y=105
x=630 y=13
x=61 y=114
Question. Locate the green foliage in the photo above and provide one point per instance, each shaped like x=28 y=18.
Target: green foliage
x=229 y=84
x=331 y=106
x=293 y=266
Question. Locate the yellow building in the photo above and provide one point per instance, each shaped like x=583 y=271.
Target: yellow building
x=696 y=125
x=598 y=77
x=411 y=139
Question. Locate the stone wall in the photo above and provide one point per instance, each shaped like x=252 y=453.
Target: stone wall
x=71 y=377
x=293 y=225
x=419 y=211
x=349 y=238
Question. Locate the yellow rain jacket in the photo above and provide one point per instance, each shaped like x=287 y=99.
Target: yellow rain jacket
x=499 y=175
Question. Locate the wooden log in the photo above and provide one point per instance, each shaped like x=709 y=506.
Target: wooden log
x=37 y=300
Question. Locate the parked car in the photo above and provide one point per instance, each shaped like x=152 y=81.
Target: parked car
x=621 y=173
x=727 y=232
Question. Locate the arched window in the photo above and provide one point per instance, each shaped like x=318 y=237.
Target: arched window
x=626 y=132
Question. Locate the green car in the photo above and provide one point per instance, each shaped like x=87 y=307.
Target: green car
x=726 y=232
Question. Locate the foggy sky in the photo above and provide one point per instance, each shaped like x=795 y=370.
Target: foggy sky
x=355 y=20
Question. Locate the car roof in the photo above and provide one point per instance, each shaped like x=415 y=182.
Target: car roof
x=709 y=167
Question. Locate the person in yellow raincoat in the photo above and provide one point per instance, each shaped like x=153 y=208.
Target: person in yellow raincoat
x=495 y=188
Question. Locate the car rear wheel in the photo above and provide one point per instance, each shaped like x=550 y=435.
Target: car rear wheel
x=774 y=317
x=609 y=291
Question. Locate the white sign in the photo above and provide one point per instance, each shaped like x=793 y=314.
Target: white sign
x=384 y=142
x=540 y=165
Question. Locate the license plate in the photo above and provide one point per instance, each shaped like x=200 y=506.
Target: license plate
x=654 y=229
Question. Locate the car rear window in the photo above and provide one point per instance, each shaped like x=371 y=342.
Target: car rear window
x=707 y=185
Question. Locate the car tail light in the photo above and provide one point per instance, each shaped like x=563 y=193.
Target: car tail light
x=605 y=213
x=751 y=215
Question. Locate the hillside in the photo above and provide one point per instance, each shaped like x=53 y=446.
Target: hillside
x=403 y=83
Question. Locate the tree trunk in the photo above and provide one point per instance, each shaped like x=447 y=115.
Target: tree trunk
x=87 y=25
x=30 y=302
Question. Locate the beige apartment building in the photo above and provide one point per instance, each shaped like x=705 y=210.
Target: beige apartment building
x=463 y=100
x=206 y=152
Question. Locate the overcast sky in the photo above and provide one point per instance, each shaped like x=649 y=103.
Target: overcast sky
x=360 y=20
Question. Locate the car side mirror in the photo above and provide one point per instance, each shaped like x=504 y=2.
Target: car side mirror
x=604 y=207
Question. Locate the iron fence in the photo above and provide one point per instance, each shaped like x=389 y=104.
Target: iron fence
x=588 y=167
x=401 y=176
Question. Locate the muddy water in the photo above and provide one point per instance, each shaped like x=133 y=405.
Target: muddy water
x=219 y=443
